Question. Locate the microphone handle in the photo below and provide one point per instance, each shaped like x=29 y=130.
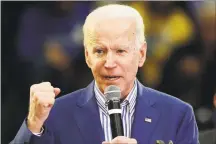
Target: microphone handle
x=115 y=118
x=116 y=125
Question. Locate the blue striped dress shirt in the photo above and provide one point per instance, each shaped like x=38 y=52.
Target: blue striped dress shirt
x=127 y=106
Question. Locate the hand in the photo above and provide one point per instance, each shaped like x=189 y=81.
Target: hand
x=121 y=140
x=42 y=98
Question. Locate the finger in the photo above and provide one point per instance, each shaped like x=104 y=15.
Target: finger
x=132 y=141
x=46 y=102
x=119 y=140
x=104 y=142
x=123 y=140
x=43 y=88
x=57 y=91
x=32 y=88
x=46 y=83
x=40 y=94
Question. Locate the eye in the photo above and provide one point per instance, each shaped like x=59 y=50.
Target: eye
x=99 y=51
x=120 y=51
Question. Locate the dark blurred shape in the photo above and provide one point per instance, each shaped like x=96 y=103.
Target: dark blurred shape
x=190 y=72
x=42 y=42
x=162 y=8
x=166 y=27
x=208 y=137
x=50 y=43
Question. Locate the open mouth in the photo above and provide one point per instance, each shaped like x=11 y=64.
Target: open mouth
x=111 y=78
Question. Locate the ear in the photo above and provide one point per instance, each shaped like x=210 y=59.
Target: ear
x=142 y=54
x=87 y=58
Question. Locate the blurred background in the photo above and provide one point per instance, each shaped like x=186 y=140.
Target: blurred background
x=42 y=41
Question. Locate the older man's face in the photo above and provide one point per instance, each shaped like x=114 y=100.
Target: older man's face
x=112 y=55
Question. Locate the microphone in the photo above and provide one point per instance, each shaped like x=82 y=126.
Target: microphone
x=113 y=94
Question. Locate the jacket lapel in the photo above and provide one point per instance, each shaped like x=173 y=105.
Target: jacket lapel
x=145 y=117
x=88 y=118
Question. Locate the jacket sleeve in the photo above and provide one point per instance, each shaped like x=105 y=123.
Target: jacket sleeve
x=188 y=131
x=25 y=136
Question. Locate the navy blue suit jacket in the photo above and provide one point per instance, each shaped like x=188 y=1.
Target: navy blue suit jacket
x=74 y=119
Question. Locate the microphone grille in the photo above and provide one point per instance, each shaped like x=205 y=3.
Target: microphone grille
x=112 y=92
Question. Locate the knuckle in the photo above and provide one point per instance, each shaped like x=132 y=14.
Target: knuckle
x=50 y=88
x=133 y=141
x=46 y=88
x=46 y=83
x=36 y=94
x=33 y=87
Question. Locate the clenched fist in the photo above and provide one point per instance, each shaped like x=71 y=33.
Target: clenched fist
x=42 y=98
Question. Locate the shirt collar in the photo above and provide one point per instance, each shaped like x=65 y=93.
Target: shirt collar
x=130 y=99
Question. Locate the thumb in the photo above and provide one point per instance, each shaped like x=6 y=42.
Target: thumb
x=57 y=91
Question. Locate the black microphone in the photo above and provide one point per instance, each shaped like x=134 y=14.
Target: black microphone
x=113 y=94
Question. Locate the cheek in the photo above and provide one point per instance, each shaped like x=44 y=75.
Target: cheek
x=133 y=61
x=129 y=67
x=134 y=66
x=96 y=67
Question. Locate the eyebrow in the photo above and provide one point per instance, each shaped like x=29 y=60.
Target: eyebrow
x=95 y=46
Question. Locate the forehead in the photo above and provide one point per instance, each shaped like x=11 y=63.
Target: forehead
x=113 y=31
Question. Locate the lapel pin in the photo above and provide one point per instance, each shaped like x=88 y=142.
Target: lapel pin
x=148 y=120
x=159 y=142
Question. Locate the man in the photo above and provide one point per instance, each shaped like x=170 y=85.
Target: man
x=115 y=47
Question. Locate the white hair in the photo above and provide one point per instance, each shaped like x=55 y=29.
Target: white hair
x=115 y=11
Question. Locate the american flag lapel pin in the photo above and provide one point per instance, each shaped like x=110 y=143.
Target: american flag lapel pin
x=148 y=120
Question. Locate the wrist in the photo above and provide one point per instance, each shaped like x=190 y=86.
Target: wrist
x=34 y=125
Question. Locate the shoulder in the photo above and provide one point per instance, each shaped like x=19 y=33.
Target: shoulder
x=69 y=102
x=173 y=111
x=169 y=103
x=69 y=99
x=65 y=105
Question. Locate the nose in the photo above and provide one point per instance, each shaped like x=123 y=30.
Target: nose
x=110 y=61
